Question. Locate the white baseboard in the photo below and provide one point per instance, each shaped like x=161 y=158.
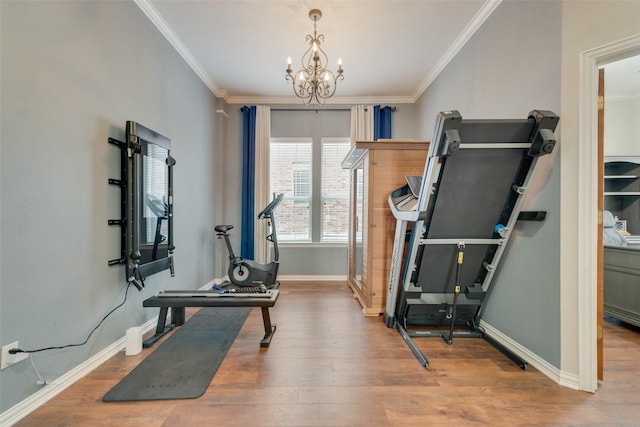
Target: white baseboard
x=562 y=378
x=295 y=278
x=52 y=389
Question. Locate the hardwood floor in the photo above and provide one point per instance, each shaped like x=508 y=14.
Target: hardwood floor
x=328 y=365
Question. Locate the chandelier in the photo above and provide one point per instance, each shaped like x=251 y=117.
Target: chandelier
x=314 y=80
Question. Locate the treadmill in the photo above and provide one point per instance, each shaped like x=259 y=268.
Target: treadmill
x=475 y=179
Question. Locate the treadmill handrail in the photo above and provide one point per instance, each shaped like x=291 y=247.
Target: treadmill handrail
x=413 y=215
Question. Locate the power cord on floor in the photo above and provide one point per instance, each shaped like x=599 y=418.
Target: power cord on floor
x=19 y=350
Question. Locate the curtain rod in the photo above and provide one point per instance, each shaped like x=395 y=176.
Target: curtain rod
x=311 y=110
x=305 y=110
x=393 y=108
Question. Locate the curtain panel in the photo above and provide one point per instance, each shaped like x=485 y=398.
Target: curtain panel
x=370 y=123
x=361 y=123
x=248 y=180
x=256 y=134
x=262 y=183
x=381 y=122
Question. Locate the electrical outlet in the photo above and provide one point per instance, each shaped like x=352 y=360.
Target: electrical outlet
x=9 y=359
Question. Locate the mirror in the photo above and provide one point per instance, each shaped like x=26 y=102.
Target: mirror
x=149 y=204
x=154 y=215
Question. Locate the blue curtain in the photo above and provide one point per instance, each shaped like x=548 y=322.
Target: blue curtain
x=248 y=180
x=381 y=122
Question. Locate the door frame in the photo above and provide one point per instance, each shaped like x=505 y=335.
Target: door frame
x=587 y=214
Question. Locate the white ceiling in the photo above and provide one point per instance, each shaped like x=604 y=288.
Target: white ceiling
x=391 y=49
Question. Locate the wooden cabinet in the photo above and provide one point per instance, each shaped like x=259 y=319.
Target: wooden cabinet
x=622 y=191
x=622 y=283
x=377 y=168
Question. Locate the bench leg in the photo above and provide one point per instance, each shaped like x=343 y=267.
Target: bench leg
x=177 y=316
x=269 y=329
x=161 y=328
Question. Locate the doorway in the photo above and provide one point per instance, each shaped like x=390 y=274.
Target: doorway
x=588 y=201
x=619 y=158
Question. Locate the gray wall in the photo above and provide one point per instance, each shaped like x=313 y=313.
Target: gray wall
x=404 y=121
x=72 y=74
x=509 y=67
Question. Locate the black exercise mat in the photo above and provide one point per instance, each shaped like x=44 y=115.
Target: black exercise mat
x=183 y=365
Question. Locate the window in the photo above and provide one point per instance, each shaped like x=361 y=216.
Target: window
x=291 y=174
x=335 y=190
x=302 y=184
x=316 y=188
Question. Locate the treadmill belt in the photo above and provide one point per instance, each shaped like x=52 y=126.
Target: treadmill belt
x=472 y=193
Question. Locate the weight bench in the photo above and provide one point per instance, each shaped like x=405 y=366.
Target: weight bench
x=468 y=202
x=178 y=300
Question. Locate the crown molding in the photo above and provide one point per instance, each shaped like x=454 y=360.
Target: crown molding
x=485 y=11
x=154 y=16
x=350 y=100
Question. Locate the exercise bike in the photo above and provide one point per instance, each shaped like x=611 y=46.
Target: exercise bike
x=244 y=272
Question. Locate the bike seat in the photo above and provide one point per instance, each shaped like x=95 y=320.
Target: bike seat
x=223 y=228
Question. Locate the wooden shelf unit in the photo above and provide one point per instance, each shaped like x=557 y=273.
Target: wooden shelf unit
x=377 y=168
